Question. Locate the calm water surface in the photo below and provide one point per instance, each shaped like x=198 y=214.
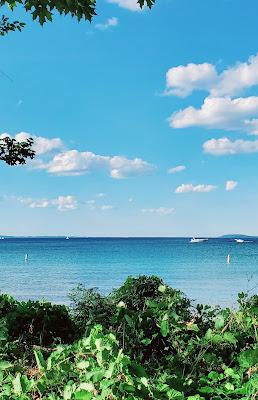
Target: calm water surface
x=56 y=265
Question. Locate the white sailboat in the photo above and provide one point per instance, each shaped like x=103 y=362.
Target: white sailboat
x=239 y=240
x=67 y=238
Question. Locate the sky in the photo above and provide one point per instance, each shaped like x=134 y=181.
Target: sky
x=145 y=123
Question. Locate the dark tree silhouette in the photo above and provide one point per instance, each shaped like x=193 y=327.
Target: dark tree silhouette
x=15 y=153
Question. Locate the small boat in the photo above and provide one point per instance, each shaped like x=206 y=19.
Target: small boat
x=67 y=238
x=239 y=241
x=197 y=240
x=228 y=259
x=1 y=238
x=26 y=258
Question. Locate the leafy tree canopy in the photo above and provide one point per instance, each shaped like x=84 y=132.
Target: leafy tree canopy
x=14 y=152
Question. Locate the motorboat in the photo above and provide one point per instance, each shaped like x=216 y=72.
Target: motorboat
x=239 y=240
x=197 y=240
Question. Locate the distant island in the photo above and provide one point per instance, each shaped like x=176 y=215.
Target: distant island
x=237 y=235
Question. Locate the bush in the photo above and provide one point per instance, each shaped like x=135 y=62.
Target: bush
x=153 y=344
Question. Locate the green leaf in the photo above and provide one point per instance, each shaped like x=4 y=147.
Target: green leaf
x=219 y=322
x=230 y=338
x=5 y=365
x=129 y=320
x=82 y=395
x=41 y=363
x=248 y=358
x=164 y=328
x=162 y=288
x=17 y=387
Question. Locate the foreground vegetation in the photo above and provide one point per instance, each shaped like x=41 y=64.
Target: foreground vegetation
x=143 y=341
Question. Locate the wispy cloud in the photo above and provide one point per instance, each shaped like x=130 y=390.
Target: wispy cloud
x=109 y=23
x=189 y=187
x=174 y=170
x=62 y=203
x=225 y=146
x=159 y=210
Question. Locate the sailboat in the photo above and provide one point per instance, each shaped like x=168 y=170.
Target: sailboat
x=67 y=238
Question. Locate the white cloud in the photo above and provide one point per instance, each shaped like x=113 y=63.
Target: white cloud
x=174 y=170
x=231 y=185
x=41 y=144
x=110 y=22
x=40 y=203
x=159 y=210
x=62 y=203
x=189 y=187
x=73 y=162
x=221 y=113
x=131 y=5
x=224 y=146
x=65 y=203
x=184 y=79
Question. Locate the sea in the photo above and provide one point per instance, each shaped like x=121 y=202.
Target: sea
x=55 y=266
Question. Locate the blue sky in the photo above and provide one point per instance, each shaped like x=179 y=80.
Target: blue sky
x=115 y=104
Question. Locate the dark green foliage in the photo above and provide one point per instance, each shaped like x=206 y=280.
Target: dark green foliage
x=34 y=323
x=169 y=349
x=13 y=152
x=89 y=308
x=6 y=26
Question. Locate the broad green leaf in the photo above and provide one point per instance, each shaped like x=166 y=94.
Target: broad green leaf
x=219 y=322
x=5 y=365
x=82 y=395
x=41 y=363
x=164 y=328
x=248 y=358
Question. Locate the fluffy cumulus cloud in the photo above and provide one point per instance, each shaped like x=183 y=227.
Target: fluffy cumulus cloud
x=220 y=113
x=74 y=162
x=182 y=80
x=131 y=5
x=178 y=168
x=109 y=23
x=62 y=203
x=225 y=146
x=159 y=210
x=230 y=185
x=42 y=145
x=50 y=157
x=189 y=187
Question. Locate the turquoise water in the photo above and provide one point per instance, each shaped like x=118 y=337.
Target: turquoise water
x=56 y=265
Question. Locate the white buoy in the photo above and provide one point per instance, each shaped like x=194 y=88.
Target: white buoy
x=228 y=259
x=26 y=258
